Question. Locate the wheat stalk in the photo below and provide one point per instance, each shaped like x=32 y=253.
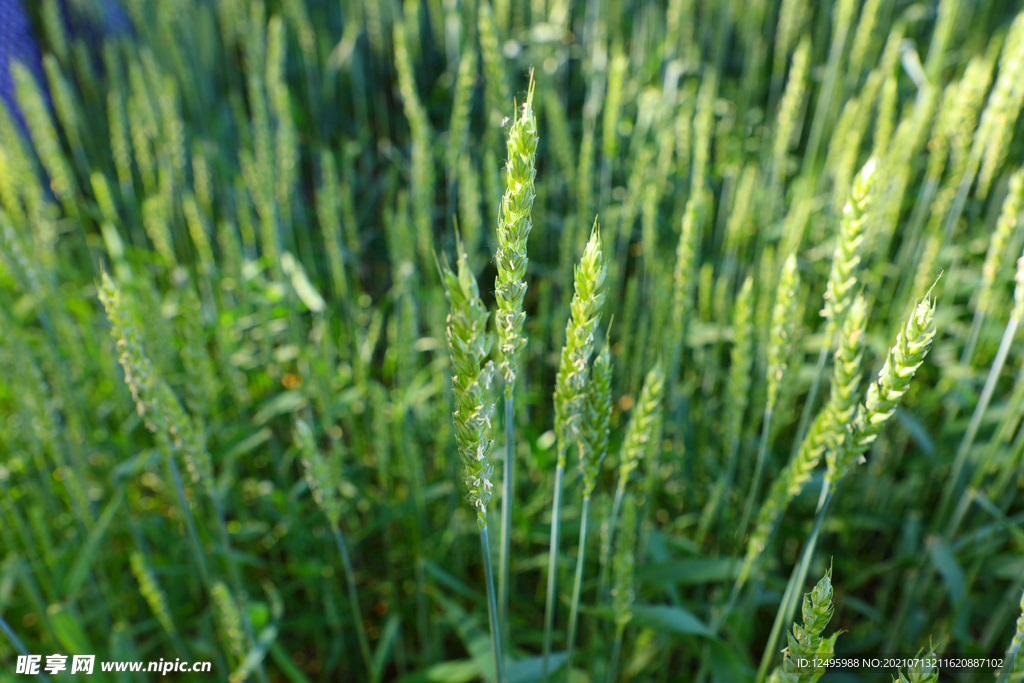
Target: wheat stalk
x=159 y=408
x=841 y=281
x=458 y=127
x=421 y=160
x=593 y=447
x=514 y=226
x=44 y=137
x=514 y=229
x=469 y=344
x=682 y=285
x=904 y=358
x=570 y=386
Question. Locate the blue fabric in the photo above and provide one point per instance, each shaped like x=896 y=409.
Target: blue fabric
x=110 y=18
x=18 y=42
x=100 y=18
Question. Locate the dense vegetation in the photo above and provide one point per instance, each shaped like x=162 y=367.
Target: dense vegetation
x=284 y=283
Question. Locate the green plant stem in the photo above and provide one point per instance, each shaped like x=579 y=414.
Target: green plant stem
x=953 y=483
x=190 y=522
x=353 y=599
x=606 y=549
x=492 y=607
x=506 y=518
x=972 y=336
x=1011 y=658
x=16 y=642
x=578 y=583
x=791 y=597
x=613 y=665
x=1004 y=676
x=549 y=601
x=755 y=484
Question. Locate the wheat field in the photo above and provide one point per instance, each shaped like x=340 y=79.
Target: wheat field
x=515 y=341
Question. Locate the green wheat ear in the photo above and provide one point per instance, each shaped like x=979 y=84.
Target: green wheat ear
x=1005 y=225
x=843 y=278
x=741 y=359
x=780 y=340
x=570 y=382
x=921 y=671
x=154 y=399
x=805 y=642
x=640 y=434
x=789 y=109
x=469 y=344
x=1018 y=291
x=593 y=443
x=151 y=591
x=323 y=480
x=905 y=357
x=229 y=620
x=514 y=226
x=45 y=138
x=842 y=404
